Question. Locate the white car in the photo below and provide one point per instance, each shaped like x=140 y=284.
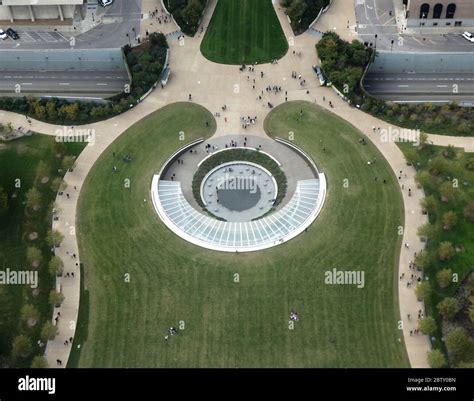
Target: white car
x=105 y=3
x=3 y=35
x=469 y=36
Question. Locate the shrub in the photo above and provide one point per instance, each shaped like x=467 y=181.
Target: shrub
x=423 y=291
x=427 y=325
x=448 y=307
x=444 y=277
x=446 y=250
x=21 y=347
x=436 y=359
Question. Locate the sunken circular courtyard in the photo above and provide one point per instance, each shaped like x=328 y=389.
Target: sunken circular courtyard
x=238 y=197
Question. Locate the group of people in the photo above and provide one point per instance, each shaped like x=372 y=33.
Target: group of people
x=163 y=18
x=294 y=316
x=171 y=332
x=247 y=121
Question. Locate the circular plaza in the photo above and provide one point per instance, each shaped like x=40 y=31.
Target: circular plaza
x=238 y=197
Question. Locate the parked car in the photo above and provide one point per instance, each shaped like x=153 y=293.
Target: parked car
x=105 y=3
x=12 y=34
x=469 y=36
x=3 y=35
x=322 y=78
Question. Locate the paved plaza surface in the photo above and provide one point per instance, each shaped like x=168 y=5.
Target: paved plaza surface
x=213 y=85
x=294 y=167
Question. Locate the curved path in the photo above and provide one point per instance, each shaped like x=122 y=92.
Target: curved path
x=213 y=85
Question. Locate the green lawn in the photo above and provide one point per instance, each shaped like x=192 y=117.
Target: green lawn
x=20 y=160
x=244 y=31
x=243 y=324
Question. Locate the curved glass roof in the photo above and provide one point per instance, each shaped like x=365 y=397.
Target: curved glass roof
x=208 y=232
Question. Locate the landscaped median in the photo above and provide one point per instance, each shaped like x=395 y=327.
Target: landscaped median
x=244 y=32
x=446 y=175
x=145 y=62
x=344 y=64
x=32 y=170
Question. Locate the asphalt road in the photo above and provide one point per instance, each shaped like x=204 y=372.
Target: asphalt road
x=122 y=18
x=421 y=86
x=86 y=83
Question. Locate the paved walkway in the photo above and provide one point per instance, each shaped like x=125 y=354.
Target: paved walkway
x=213 y=85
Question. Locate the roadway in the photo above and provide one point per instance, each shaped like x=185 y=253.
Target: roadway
x=439 y=87
x=85 y=83
x=110 y=27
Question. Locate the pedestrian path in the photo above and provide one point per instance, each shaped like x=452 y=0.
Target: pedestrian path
x=215 y=86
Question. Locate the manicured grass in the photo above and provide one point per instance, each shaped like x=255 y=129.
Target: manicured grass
x=244 y=32
x=19 y=160
x=244 y=324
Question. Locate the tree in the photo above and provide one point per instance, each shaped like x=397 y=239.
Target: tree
x=55 y=298
x=445 y=250
x=427 y=325
x=412 y=156
x=42 y=171
x=466 y=365
x=33 y=199
x=55 y=184
x=436 y=359
x=444 y=277
x=423 y=291
x=39 y=362
x=295 y=12
x=469 y=211
x=449 y=220
x=56 y=266
x=449 y=152
x=449 y=193
x=68 y=162
x=192 y=13
x=3 y=200
x=471 y=314
x=426 y=231
x=429 y=204
x=34 y=256
x=49 y=331
x=21 y=347
x=423 y=140
x=29 y=313
x=423 y=260
x=425 y=179
x=54 y=238
x=448 y=307
x=457 y=342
